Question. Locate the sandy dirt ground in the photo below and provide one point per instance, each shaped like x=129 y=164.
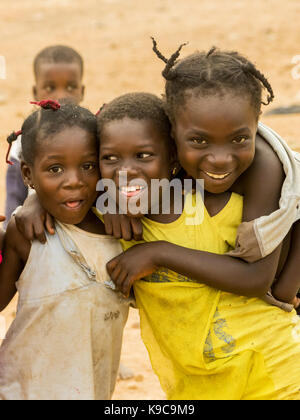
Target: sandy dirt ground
x=114 y=38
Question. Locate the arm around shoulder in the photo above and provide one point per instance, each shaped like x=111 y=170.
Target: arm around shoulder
x=262 y=183
x=219 y=271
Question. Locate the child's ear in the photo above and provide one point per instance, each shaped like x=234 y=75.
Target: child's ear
x=34 y=93
x=26 y=174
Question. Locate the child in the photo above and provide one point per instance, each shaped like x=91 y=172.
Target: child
x=203 y=343
x=217 y=72
x=66 y=339
x=58 y=72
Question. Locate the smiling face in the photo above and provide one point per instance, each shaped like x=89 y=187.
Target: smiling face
x=65 y=174
x=215 y=138
x=137 y=149
x=57 y=81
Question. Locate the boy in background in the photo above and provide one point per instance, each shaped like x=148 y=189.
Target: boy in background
x=58 y=73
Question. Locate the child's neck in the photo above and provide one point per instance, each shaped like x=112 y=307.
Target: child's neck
x=167 y=218
x=92 y=224
x=214 y=203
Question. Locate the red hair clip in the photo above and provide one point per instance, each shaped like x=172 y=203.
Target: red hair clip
x=12 y=137
x=100 y=109
x=47 y=104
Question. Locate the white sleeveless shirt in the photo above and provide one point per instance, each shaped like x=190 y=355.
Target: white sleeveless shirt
x=65 y=342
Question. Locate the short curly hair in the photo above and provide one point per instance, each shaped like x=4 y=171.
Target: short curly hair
x=57 y=54
x=137 y=106
x=212 y=72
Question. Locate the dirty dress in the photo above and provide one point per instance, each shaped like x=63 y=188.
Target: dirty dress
x=65 y=341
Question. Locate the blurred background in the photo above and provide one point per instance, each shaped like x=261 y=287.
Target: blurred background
x=113 y=37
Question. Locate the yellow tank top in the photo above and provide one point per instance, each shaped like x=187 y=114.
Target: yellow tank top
x=208 y=344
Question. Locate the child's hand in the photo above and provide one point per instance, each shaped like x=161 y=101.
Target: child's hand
x=131 y=265
x=296 y=302
x=123 y=227
x=32 y=219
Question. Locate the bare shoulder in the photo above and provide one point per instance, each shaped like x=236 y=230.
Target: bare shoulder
x=265 y=155
x=266 y=168
x=261 y=183
x=16 y=241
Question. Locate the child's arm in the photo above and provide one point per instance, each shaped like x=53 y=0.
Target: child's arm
x=15 y=254
x=16 y=191
x=288 y=283
x=220 y=271
x=261 y=184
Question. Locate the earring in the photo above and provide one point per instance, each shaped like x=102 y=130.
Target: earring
x=174 y=171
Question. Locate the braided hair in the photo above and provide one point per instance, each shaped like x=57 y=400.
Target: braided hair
x=214 y=72
x=49 y=120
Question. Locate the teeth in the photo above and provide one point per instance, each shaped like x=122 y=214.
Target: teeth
x=215 y=176
x=132 y=188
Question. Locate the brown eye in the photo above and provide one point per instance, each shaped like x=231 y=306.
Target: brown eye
x=239 y=140
x=110 y=158
x=143 y=155
x=198 y=141
x=55 y=169
x=89 y=166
